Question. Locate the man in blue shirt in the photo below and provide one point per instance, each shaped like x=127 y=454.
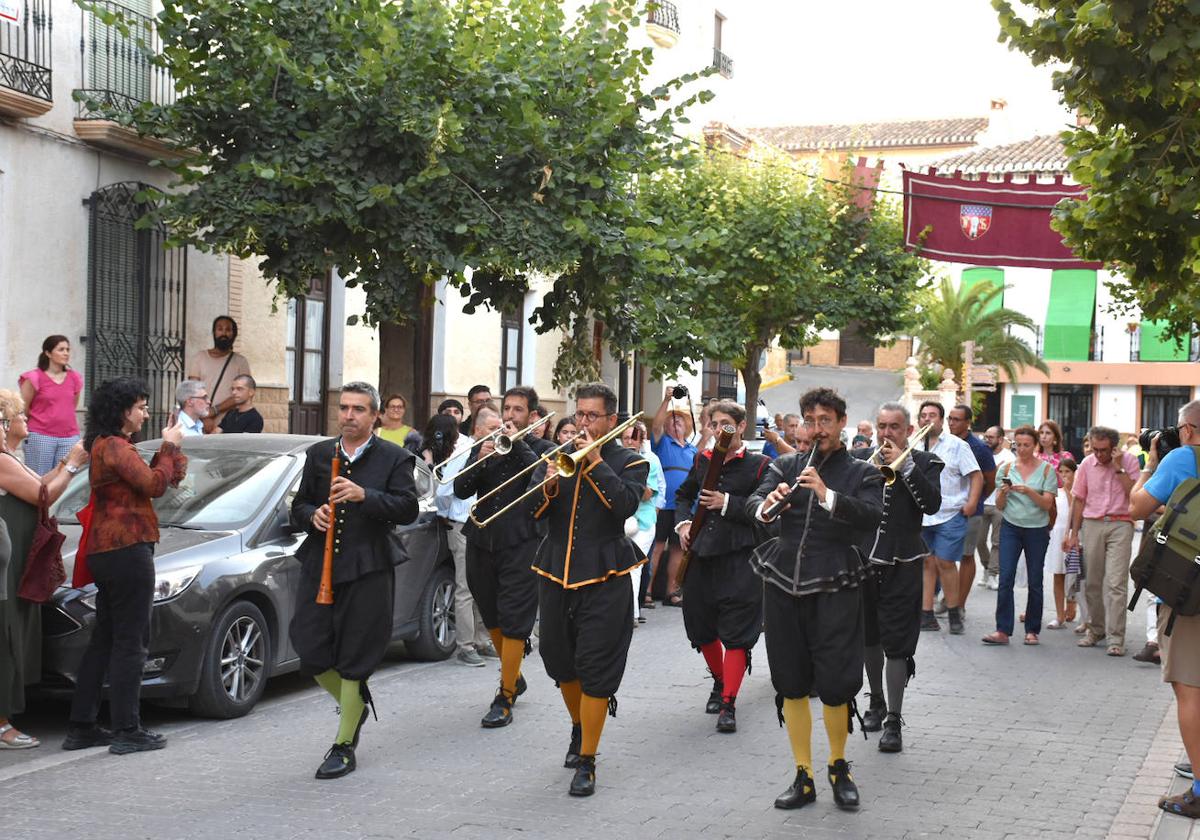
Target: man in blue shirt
x=1181 y=650
x=670 y=439
x=959 y=420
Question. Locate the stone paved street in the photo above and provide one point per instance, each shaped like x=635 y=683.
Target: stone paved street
x=1019 y=742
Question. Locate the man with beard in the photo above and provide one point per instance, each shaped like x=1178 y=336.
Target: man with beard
x=812 y=607
x=217 y=367
x=341 y=644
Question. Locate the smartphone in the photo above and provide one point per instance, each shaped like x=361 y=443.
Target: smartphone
x=1006 y=482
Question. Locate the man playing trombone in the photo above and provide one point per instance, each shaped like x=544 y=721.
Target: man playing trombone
x=894 y=554
x=498 y=555
x=586 y=597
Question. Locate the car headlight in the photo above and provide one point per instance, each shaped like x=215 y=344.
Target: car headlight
x=169 y=584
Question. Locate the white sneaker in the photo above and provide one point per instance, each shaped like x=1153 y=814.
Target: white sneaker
x=993 y=582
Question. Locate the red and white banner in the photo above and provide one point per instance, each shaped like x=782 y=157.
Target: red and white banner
x=997 y=223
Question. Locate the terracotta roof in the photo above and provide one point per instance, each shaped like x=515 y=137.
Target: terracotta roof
x=1042 y=154
x=806 y=138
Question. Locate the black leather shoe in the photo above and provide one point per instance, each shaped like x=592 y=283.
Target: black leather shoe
x=500 y=713
x=872 y=719
x=845 y=792
x=366 y=712
x=338 y=762
x=713 y=706
x=890 y=740
x=126 y=741
x=83 y=737
x=727 y=721
x=572 y=759
x=802 y=792
x=584 y=782
x=521 y=686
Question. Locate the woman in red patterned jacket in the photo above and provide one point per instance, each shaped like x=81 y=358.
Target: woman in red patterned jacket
x=120 y=557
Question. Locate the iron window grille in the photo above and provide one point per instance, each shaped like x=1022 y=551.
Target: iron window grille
x=119 y=72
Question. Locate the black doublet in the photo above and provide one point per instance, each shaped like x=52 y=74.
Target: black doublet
x=915 y=492
x=816 y=551
x=351 y=635
x=512 y=528
x=733 y=530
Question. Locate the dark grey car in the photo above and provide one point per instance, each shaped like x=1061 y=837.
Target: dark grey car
x=227 y=578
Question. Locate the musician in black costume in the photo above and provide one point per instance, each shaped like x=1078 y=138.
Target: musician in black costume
x=584 y=592
x=892 y=587
x=498 y=555
x=812 y=606
x=341 y=645
x=722 y=597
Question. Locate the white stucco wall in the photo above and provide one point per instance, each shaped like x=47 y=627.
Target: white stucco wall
x=1116 y=406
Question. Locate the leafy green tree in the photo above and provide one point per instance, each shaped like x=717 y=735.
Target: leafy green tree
x=405 y=141
x=949 y=316
x=1133 y=68
x=775 y=254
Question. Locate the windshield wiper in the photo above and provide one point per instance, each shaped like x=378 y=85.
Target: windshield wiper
x=181 y=527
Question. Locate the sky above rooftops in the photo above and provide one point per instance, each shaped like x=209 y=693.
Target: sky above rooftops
x=803 y=62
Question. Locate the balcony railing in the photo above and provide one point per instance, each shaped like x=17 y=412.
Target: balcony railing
x=1135 y=345
x=663 y=13
x=723 y=63
x=118 y=73
x=25 y=51
x=1096 y=351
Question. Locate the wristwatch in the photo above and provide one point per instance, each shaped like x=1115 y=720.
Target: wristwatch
x=70 y=469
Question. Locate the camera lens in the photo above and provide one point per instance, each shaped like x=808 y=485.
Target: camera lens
x=679 y=392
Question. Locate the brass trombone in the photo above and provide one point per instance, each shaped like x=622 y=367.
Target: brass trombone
x=504 y=444
x=565 y=462
x=890 y=471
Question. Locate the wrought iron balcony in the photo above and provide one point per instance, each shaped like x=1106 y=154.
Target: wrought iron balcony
x=662 y=22
x=118 y=71
x=723 y=63
x=25 y=69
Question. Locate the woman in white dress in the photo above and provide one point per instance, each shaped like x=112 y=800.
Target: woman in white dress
x=1056 y=559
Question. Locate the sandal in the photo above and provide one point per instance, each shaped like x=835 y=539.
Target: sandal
x=1031 y=639
x=1056 y=625
x=1115 y=650
x=1184 y=804
x=648 y=603
x=996 y=638
x=675 y=599
x=1089 y=640
x=20 y=741
x=1081 y=629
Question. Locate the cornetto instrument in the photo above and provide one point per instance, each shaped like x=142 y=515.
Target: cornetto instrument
x=890 y=471
x=503 y=445
x=778 y=508
x=565 y=462
x=325 y=590
x=711 y=476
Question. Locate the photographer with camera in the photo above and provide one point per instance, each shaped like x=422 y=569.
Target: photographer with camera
x=1167 y=468
x=671 y=440
x=1101 y=527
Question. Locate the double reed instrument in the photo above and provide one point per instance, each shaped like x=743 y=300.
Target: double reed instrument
x=565 y=462
x=890 y=471
x=503 y=445
x=325 y=590
x=711 y=476
x=778 y=508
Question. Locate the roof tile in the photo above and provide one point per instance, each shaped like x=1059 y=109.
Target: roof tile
x=1043 y=154
x=802 y=138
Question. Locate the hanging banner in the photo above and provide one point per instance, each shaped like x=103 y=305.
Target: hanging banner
x=987 y=222
x=10 y=11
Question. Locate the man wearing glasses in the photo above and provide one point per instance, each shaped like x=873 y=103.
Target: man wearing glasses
x=192 y=398
x=585 y=593
x=480 y=396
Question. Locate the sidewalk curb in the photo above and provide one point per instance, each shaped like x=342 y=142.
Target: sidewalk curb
x=771 y=383
x=1139 y=815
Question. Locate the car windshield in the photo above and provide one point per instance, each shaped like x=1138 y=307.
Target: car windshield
x=222 y=490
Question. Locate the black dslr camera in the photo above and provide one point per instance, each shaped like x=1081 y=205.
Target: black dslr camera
x=679 y=392
x=1168 y=439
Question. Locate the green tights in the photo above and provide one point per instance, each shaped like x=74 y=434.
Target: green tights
x=348 y=694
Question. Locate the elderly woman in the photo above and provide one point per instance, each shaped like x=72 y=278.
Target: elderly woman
x=20 y=620
x=120 y=558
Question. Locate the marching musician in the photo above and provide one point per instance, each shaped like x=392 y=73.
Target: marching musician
x=498 y=556
x=342 y=644
x=894 y=553
x=722 y=597
x=812 y=607
x=585 y=593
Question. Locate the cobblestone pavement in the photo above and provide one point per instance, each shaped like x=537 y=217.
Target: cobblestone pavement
x=1020 y=742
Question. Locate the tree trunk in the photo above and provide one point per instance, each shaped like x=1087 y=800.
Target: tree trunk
x=406 y=361
x=753 y=380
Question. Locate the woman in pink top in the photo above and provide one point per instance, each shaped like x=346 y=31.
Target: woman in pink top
x=51 y=392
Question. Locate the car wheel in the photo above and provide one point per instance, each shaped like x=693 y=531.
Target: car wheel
x=437 y=639
x=236 y=663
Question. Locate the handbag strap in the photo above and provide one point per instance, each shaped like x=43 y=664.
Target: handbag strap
x=43 y=505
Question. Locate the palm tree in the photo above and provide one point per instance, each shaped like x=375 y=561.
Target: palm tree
x=950 y=316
